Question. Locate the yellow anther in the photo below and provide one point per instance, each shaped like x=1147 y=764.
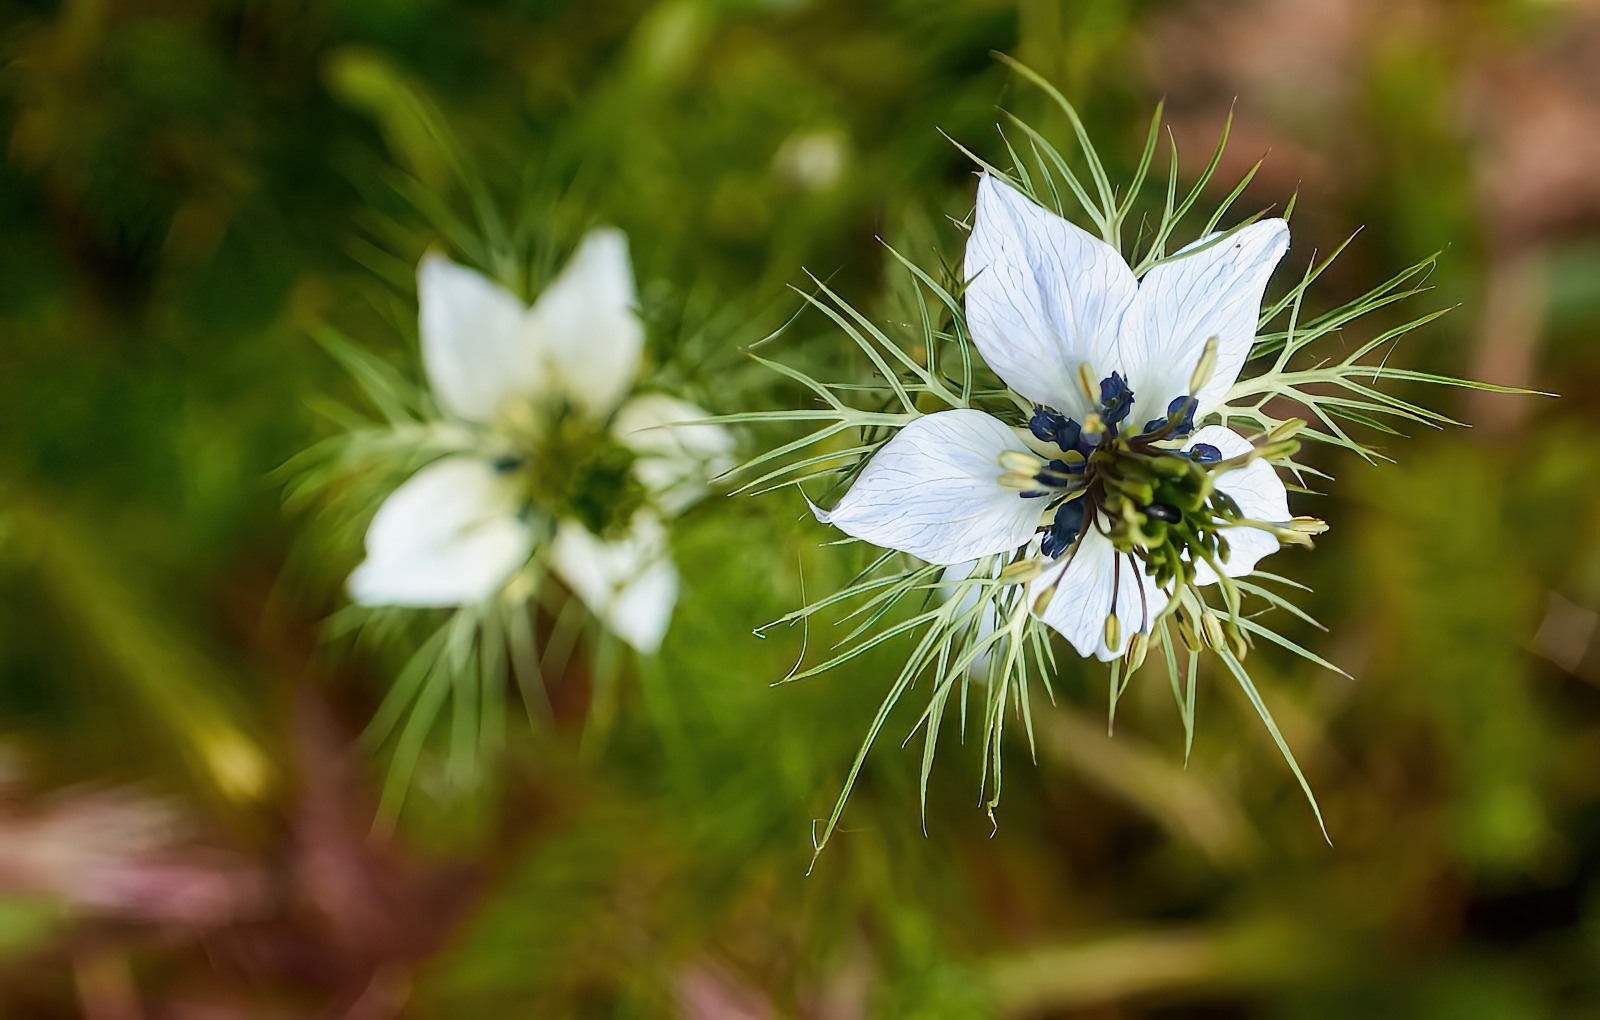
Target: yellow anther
x=1206 y=368
x=1287 y=430
x=1137 y=649
x=1016 y=460
x=1021 y=571
x=1087 y=382
x=1308 y=526
x=1186 y=632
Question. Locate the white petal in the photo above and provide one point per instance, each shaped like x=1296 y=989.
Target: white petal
x=449 y=536
x=1042 y=297
x=934 y=491
x=1212 y=292
x=473 y=345
x=675 y=460
x=1084 y=584
x=586 y=326
x=1260 y=495
x=630 y=584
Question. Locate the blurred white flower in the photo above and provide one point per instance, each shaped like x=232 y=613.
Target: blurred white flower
x=562 y=460
x=812 y=160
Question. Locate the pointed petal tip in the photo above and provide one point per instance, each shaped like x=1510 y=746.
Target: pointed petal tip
x=604 y=249
x=587 y=326
x=825 y=516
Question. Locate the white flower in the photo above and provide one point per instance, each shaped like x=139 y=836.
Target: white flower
x=541 y=389
x=1057 y=314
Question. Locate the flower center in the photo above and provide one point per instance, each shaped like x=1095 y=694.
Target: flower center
x=571 y=467
x=1152 y=501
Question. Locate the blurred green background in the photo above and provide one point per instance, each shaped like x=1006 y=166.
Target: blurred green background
x=189 y=187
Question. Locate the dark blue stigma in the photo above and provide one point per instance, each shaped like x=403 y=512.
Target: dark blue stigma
x=1050 y=426
x=1116 y=399
x=1064 y=530
x=1181 y=407
x=1204 y=453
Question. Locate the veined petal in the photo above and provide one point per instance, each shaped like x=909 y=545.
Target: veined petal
x=473 y=345
x=1260 y=495
x=585 y=325
x=1042 y=297
x=1209 y=292
x=449 y=536
x=934 y=491
x=675 y=460
x=631 y=584
x=1084 y=583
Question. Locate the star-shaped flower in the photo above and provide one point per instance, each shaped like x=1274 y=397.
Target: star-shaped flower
x=1110 y=483
x=561 y=463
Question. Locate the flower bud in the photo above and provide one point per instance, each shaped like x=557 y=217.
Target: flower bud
x=1213 y=629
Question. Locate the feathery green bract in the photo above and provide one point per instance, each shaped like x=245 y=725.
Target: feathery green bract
x=980 y=631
